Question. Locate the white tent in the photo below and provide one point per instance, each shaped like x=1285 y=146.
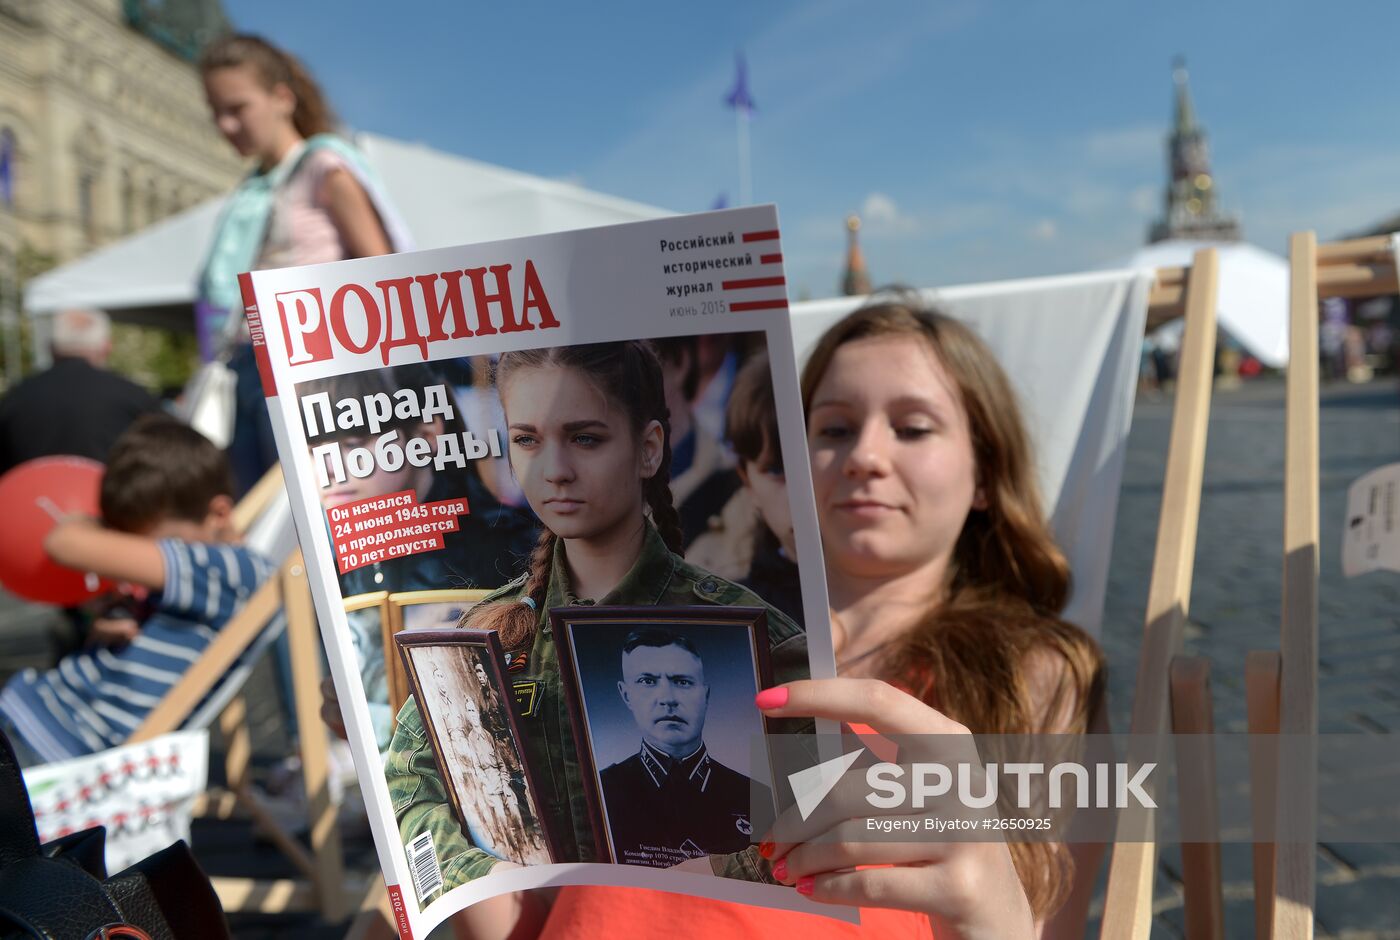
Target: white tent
x=1252 y=304
x=443 y=198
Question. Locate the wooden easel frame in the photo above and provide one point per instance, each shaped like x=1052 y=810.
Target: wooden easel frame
x=1192 y=292
x=323 y=885
x=1283 y=697
x=1281 y=686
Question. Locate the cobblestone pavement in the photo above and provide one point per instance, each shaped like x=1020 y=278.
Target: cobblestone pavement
x=1235 y=605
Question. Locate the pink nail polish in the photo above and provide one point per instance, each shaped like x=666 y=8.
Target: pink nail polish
x=771 y=698
x=766 y=849
x=780 y=869
x=804 y=885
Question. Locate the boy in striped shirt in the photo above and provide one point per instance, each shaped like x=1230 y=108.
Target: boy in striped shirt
x=166 y=525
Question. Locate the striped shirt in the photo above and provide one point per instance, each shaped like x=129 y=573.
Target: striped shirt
x=94 y=699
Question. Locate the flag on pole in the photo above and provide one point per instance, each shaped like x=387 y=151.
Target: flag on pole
x=741 y=102
x=738 y=97
x=7 y=166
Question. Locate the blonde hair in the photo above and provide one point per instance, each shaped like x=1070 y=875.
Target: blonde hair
x=972 y=652
x=274 y=66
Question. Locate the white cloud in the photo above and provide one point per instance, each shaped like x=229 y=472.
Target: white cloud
x=1045 y=230
x=879 y=208
x=881 y=215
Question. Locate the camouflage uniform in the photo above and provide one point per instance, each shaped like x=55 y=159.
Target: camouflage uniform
x=659 y=578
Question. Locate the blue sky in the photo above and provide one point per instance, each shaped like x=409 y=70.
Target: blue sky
x=980 y=140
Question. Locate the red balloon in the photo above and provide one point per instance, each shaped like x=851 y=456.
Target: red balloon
x=33 y=497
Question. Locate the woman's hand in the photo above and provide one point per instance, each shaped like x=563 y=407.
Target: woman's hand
x=330 y=709
x=969 y=889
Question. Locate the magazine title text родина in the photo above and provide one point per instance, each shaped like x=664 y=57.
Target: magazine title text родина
x=412 y=312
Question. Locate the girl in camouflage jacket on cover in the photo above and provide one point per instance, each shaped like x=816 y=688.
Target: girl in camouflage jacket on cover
x=590 y=445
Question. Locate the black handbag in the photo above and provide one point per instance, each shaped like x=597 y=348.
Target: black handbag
x=61 y=891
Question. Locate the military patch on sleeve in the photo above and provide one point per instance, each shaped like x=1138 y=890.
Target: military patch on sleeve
x=527 y=696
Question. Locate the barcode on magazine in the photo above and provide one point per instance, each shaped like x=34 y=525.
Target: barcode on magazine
x=422 y=858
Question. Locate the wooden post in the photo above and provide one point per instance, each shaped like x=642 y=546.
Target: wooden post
x=391 y=621
x=1261 y=677
x=315 y=756
x=216 y=659
x=257 y=499
x=1201 y=870
x=1361 y=267
x=1128 y=905
x=1295 y=862
x=233 y=723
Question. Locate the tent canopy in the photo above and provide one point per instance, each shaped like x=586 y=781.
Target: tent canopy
x=444 y=199
x=1252 y=304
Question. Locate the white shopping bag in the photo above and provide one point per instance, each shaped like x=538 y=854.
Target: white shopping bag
x=210 y=400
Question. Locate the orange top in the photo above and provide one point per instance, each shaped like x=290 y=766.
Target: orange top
x=596 y=913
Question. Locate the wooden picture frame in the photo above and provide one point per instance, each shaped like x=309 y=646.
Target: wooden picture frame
x=485 y=770
x=590 y=641
x=412 y=610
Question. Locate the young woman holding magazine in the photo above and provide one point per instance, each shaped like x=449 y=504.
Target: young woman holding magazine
x=945 y=587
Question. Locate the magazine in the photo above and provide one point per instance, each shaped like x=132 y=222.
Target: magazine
x=547 y=589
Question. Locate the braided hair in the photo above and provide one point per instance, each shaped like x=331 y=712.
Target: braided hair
x=629 y=375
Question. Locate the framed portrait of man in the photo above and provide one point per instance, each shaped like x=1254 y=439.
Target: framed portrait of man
x=458 y=679
x=662 y=705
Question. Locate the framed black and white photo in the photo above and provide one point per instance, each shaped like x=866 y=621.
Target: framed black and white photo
x=458 y=680
x=662 y=701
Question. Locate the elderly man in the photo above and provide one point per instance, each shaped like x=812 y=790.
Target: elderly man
x=75 y=406
x=671 y=800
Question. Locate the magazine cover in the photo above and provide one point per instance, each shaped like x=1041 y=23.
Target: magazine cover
x=554 y=498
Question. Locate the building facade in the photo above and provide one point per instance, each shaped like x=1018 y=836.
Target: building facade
x=103 y=124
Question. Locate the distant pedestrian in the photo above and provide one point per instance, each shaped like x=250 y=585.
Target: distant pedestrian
x=76 y=406
x=1163 y=367
x=1331 y=338
x=310 y=198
